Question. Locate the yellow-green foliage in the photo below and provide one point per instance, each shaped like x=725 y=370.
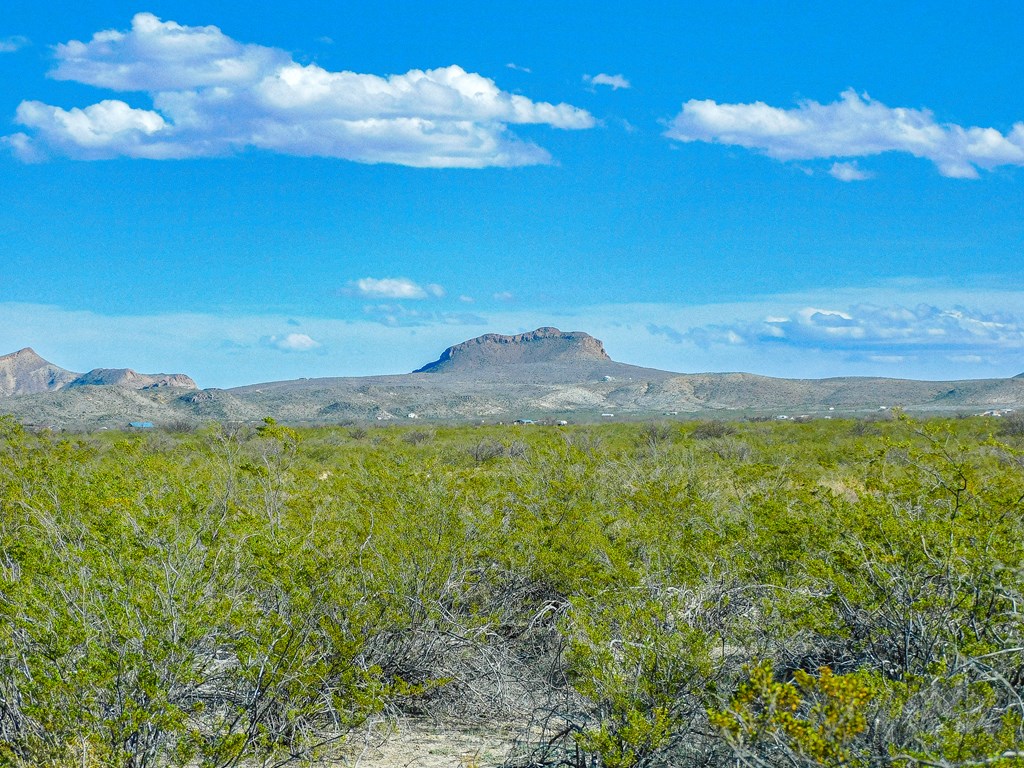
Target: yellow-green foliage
x=817 y=716
x=777 y=594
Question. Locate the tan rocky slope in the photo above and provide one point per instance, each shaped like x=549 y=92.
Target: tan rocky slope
x=545 y=374
x=25 y=373
x=129 y=379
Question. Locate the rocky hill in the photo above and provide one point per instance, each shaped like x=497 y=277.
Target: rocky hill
x=129 y=379
x=26 y=373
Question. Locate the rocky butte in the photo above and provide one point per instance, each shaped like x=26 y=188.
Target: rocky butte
x=544 y=346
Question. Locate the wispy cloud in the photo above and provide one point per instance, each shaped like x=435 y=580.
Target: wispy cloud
x=854 y=126
x=517 y=68
x=13 y=43
x=394 y=288
x=215 y=96
x=871 y=328
x=848 y=172
x=401 y=315
x=667 y=331
x=615 y=82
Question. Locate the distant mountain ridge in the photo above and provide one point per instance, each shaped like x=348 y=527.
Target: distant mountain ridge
x=26 y=373
x=546 y=374
x=126 y=377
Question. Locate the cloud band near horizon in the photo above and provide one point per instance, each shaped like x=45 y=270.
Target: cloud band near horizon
x=917 y=332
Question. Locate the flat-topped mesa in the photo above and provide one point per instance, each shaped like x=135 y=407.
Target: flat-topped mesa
x=544 y=345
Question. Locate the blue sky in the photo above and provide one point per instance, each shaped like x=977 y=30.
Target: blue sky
x=249 y=192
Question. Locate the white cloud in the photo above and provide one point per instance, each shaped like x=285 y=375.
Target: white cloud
x=22 y=147
x=394 y=288
x=517 y=68
x=13 y=43
x=505 y=296
x=160 y=56
x=99 y=130
x=854 y=126
x=848 y=172
x=214 y=96
x=864 y=328
x=293 y=342
x=615 y=82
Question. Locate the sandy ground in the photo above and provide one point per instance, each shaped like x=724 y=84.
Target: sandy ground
x=419 y=745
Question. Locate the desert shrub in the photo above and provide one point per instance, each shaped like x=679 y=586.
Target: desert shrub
x=417 y=436
x=655 y=434
x=708 y=430
x=1012 y=425
x=486 y=450
x=775 y=595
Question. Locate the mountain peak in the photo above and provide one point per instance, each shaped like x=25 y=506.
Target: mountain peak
x=544 y=345
x=24 y=373
x=26 y=353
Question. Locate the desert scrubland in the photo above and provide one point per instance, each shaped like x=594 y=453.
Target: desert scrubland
x=705 y=593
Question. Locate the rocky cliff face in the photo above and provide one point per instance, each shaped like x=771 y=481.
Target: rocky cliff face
x=544 y=345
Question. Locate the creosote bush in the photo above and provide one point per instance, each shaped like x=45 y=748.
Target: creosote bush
x=771 y=594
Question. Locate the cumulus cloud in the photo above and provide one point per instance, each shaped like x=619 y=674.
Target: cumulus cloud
x=615 y=82
x=854 y=126
x=93 y=132
x=871 y=328
x=848 y=172
x=394 y=288
x=13 y=43
x=293 y=342
x=212 y=96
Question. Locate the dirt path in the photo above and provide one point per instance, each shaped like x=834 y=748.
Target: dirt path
x=418 y=745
